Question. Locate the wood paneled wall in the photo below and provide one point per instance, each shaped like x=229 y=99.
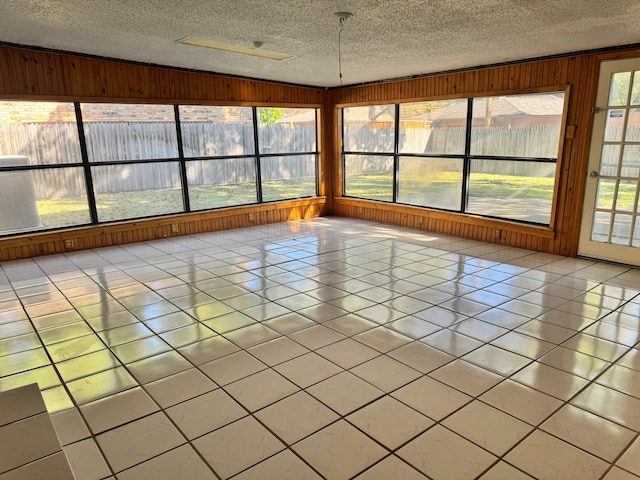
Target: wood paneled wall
x=142 y=230
x=41 y=75
x=26 y=73
x=578 y=74
x=467 y=226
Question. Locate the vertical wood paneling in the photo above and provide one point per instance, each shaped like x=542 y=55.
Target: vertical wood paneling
x=27 y=74
x=38 y=75
x=101 y=236
x=33 y=73
x=579 y=73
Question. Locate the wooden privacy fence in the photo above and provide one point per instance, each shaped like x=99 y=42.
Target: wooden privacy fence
x=521 y=141
x=43 y=143
x=57 y=143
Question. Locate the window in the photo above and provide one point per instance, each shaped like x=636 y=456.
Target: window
x=369 y=176
x=514 y=145
x=221 y=182
x=287 y=142
x=41 y=175
x=210 y=131
x=290 y=176
x=136 y=190
x=433 y=128
x=429 y=174
x=369 y=142
x=430 y=182
x=219 y=148
x=491 y=156
x=117 y=134
x=129 y=132
x=67 y=164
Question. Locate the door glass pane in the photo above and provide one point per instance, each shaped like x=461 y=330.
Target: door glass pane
x=609 y=160
x=517 y=125
x=289 y=176
x=621 y=230
x=636 y=234
x=369 y=176
x=286 y=130
x=38 y=133
x=129 y=132
x=626 y=195
x=633 y=126
x=39 y=199
x=437 y=127
x=137 y=190
x=221 y=183
x=635 y=91
x=619 y=89
x=606 y=191
x=631 y=161
x=512 y=189
x=369 y=129
x=209 y=131
x=431 y=182
x=614 y=126
x=600 y=230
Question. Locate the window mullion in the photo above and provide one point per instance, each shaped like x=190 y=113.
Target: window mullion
x=317 y=169
x=257 y=153
x=396 y=159
x=466 y=168
x=342 y=153
x=183 y=166
x=88 y=178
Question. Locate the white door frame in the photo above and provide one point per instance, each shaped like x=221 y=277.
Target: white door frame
x=605 y=250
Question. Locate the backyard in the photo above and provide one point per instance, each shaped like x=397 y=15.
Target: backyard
x=58 y=212
x=507 y=196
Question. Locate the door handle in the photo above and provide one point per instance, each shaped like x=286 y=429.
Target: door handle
x=593 y=174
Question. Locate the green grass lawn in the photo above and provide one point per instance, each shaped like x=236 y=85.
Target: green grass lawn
x=483 y=185
x=62 y=212
x=379 y=186
x=117 y=206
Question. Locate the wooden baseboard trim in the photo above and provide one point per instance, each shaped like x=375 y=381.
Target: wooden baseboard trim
x=81 y=238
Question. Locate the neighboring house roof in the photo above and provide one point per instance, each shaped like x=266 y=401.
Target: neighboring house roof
x=513 y=105
x=373 y=113
x=531 y=105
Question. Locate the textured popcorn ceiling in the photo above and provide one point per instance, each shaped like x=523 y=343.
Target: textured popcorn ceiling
x=385 y=38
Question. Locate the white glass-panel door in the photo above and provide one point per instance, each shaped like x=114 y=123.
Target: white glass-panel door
x=610 y=227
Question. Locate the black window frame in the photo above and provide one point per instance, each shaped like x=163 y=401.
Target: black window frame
x=85 y=164
x=467 y=157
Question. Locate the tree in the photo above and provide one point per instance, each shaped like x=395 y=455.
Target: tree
x=620 y=89
x=270 y=115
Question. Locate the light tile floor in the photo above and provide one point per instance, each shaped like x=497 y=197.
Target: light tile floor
x=330 y=348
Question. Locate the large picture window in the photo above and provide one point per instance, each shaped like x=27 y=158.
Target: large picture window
x=68 y=164
x=490 y=156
